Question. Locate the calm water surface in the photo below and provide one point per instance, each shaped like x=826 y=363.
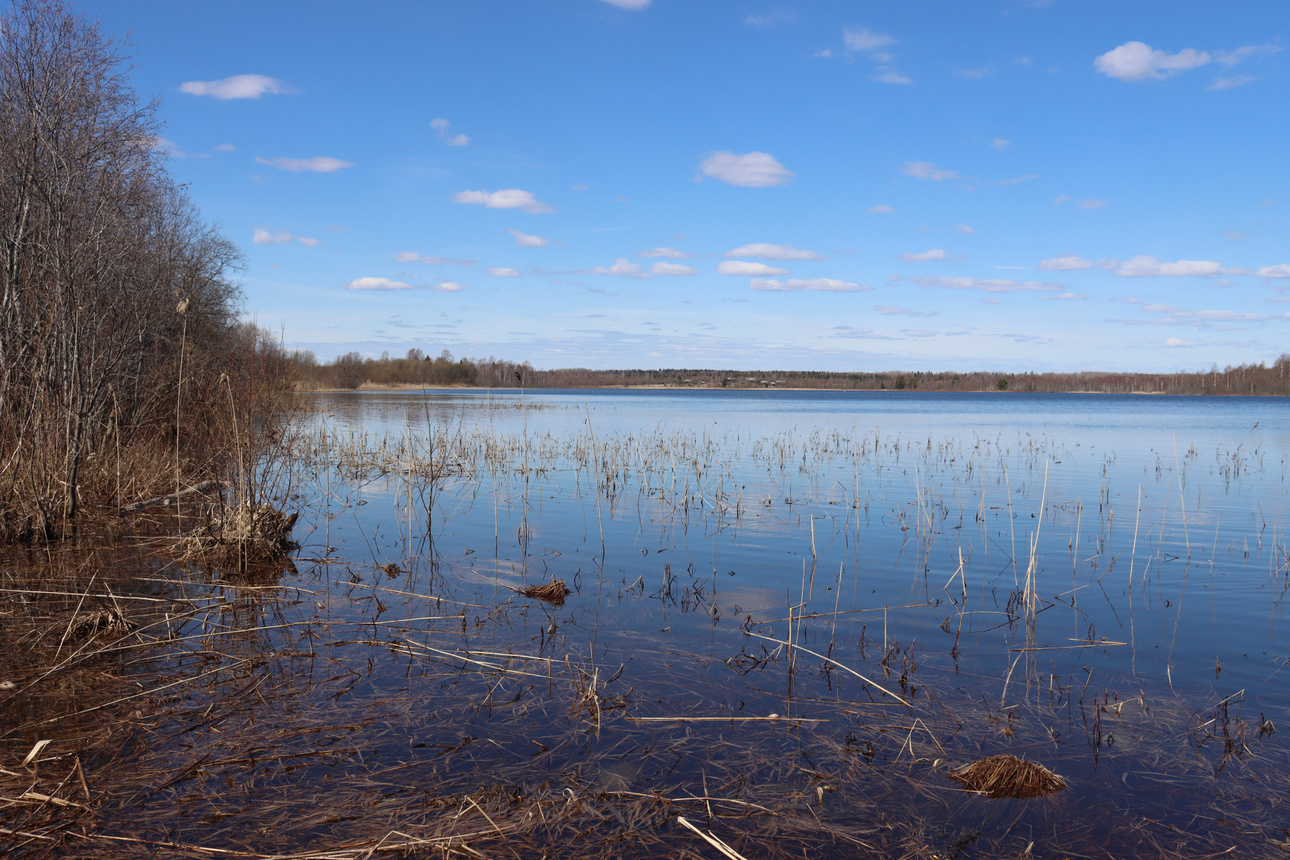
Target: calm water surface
x=908 y=582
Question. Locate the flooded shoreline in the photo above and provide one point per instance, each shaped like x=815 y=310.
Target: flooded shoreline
x=789 y=638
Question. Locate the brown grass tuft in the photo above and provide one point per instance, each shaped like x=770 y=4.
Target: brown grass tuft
x=552 y=592
x=1008 y=776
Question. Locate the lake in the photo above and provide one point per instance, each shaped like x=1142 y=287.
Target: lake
x=791 y=617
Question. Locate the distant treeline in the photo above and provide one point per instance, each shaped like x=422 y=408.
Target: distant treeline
x=417 y=368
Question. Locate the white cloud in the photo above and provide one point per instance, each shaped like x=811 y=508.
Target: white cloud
x=1177 y=343
x=862 y=39
x=750 y=170
x=1018 y=180
x=506 y=198
x=739 y=267
x=1089 y=205
x=927 y=170
x=1065 y=297
x=449 y=287
x=771 y=19
x=620 y=267
x=924 y=256
x=267 y=236
x=824 y=285
x=1146 y=266
x=1230 y=82
x=318 y=164
x=226 y=147
x=672 y=269
x=236 y=87
x=976 y=74
x=1000 y=144
x=441 y=126
x=892 y=77
x=431 y=259
x=880 y=208
x=1074 y=262
x=1136 y=61
x=628 y=4
x=667 y=253
x=527 y=240
x=897 y=311
x=1280 y=270
x=965 y=229
x=503 y=272
x=379 y=284
x=986 y=285
x=774 y=252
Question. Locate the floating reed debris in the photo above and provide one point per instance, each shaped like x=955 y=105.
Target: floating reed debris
x=553 y=592
x=1008 y=776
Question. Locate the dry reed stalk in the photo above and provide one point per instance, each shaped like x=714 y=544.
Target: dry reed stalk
x=1008 y=776
x=711 y=840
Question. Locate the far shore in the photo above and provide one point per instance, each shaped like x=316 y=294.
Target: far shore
x=378 y=387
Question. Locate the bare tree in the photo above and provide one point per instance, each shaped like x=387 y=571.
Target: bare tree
x=106 y=271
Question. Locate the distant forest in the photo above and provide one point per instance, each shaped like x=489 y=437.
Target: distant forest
x=352 y=371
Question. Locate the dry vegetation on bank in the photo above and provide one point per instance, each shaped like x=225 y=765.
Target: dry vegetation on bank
x=125 y=372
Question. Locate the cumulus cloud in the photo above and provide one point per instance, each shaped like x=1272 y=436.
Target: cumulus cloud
x=1178 y=343
x=676 y=269
x=1137 y=61
x=378 y=284
x=880 y=208
x=985 y=285
x=1146 y=266
x=774 y=252
x=317 y=164
x=666 y=253
x=1280 y=270
x=1064 y=297
x=506 y=198
x=1074 y=262
x=739 y=267
x=226 y=147
x=442 y=126
x=431 y=260
x=890 y=76
x=1000 y=144
x=503 y=272
x=924 y=256
x=527 y=240
x=824 y=285
x=862 y=39
x=622 y=267
x=268 y=236
x=750 y=170
x=1230 y=81
x=236 y=87
x=927 y=170
x=628 y=4
x=449 y=287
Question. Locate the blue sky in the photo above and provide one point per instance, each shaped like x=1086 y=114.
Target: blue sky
x=1002 y=184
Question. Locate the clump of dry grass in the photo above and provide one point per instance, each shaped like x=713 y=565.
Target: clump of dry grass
x=553 y=592
x=1008 y=776
x=249 y=532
